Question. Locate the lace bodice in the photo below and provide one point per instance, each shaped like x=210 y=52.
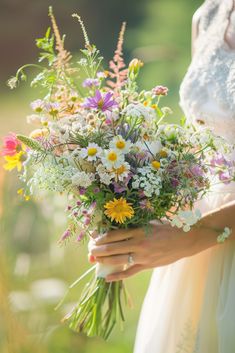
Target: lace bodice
x=207 y=93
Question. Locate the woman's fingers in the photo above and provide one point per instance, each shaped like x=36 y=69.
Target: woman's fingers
x=125 y=274
x=113 y=236
x=120 y=259
x=122 y=247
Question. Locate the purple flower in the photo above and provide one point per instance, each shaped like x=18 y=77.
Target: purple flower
x=91 y=82
x=196 y=170
x=146 y=205
x=100 y=101
x=101 y=74
x=38 y=105
x=220 y=160
x=225 y=177
x=82 y=191
x=118 y=188
x=52 y=108
x=174 y=182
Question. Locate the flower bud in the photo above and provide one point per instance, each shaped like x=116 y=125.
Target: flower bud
x=160 y=91
x=135 y=65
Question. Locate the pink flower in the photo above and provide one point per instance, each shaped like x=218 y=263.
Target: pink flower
x=81 y=235
x=11 y=145
x=160 y=91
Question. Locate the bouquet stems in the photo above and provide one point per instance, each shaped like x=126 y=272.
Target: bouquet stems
x=99 y=308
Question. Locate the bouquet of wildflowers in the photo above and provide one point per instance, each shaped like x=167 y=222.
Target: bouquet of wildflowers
x=105 y=145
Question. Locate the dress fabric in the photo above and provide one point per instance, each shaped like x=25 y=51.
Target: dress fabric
x=190 y=305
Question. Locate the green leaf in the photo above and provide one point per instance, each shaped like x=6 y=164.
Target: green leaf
x=183 y=121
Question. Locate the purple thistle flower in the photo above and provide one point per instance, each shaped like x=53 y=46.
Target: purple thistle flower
x=91 y=82
x=100 y=101
x=82 y=191
x=87 y=221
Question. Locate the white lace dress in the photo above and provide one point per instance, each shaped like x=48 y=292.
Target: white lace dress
x=190 y=305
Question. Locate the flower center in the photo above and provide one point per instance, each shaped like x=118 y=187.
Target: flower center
x=163 y=154
x=120 y=144
x=156 y=164
x=100 y=103
x=118 y=208
x=112 y=156
x=92 y=151
x=120 y=170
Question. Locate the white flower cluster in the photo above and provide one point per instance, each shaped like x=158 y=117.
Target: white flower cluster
x=223 y=236
x=147 y=180
x=186 y=219
x=138 y=110
x=105 y=177
x=82 y=179
x=51 y=176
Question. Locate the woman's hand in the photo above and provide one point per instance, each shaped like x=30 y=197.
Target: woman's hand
x=164 y=245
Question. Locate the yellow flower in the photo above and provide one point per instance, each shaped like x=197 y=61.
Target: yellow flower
x=118 y=210
x=14 y=161
x=20 y=191
x=156 y=164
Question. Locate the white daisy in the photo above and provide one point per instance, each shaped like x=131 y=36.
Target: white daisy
x=112 y=159
x=121 y=172
x=118 y=143
x=91 y=152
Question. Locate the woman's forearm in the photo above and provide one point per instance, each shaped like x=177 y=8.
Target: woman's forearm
x=213 y=224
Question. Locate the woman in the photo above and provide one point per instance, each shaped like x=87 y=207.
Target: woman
x=190 y=305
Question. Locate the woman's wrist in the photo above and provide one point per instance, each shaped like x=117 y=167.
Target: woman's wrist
x=205 y=236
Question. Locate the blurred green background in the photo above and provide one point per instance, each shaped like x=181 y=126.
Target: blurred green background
x=34 y=270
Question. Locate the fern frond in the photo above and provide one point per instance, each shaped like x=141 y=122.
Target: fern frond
x=63 y=56
x=117 y=66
